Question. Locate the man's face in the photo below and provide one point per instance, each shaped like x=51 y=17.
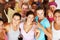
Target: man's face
x=25 y=8
x=34 y=6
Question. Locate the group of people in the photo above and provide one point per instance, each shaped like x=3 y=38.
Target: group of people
x=29 y=20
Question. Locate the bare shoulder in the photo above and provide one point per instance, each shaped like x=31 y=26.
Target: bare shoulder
x=6 y=26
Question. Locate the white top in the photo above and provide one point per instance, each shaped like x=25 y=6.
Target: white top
x=58 y=3
x=13 y=35
x=55 y=33
x=29 y=35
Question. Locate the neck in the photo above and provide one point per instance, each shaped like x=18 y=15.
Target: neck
x=13 y=25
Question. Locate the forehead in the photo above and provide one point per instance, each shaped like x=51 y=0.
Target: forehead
x=34 y=5
x=16 y=16
x=53 y=6
x=31 y=15
x=24 y=6
x=57 y=14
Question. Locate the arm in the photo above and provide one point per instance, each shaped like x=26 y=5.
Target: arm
x=37 y=33
x=6 y=27
x=48 y=34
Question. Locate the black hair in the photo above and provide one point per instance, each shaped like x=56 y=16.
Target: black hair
x=1 y=20
x=57 y=11
x=29 y=13
x=40 y=8
x=17 y=14
x=33 y=3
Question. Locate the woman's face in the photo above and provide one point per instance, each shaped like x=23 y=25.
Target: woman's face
x=40 y=14
x=16 y=20
x=57 y=18
x=30 y=18
x=53 y=8
x=1 y=24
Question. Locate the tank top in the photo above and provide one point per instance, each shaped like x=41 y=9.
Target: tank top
x=13 y=35
x=55 y=33
x=29 y=35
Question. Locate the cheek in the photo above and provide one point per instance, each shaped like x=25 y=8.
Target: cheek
x=32 y=19
x=38 y=15
x=14 y=21
x=54 y=19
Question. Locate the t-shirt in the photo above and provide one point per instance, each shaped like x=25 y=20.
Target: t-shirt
x=45 y=23
x=29 y=35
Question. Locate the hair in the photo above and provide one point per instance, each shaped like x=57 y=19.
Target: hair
x=40 y=8
x=1 y=20
x=34 y=3
x=29 y=13
x=16 y=14
x=25 y=4
x=57 y=11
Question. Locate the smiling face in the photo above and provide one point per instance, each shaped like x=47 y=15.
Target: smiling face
x=40 y=14
x=16 y=20
x=30 y=18
x=57 y=17
x=34 y=6
x=24 y=8
x=53 y=8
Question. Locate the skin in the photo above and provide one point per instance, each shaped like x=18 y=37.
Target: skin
x=40 y=14
x=15 y=22
x=29 y=19
x=1 y=30
x=24 y=10
x=52 y=8
x=30 y=23
x=1 y=26
x=57 y=21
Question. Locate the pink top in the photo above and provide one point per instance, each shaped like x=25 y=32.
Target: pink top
x=29 y=35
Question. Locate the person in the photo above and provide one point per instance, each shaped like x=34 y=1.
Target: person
x=3 y=35
x=49 y=15
x=44 y=24
x=28 y=28
x=10 y=10
x=53 y=6
x=2 y=5
x=13 y=30
x=24 y=8
x=56 y=25
x=34 y=7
